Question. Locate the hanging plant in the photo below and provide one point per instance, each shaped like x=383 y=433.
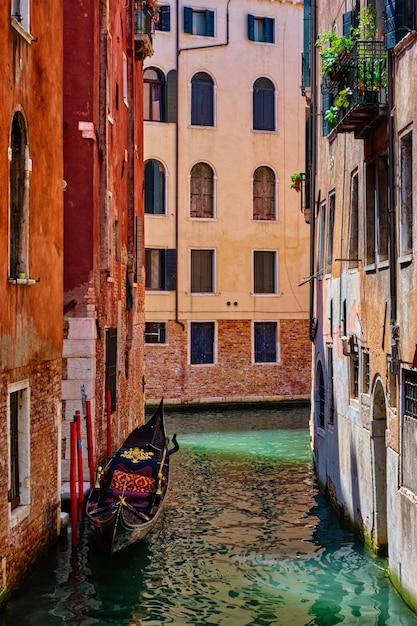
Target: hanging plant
x=296 y=182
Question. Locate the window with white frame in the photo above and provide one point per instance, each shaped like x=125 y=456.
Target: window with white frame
x=261 y=29
x=265 y=342
x=330 y=229
x=202 y=100
x=155 y=332
x=202 y=343
x=199 y=22
x=264 y=271
x=201 y=191
x=202 y=271
x=406 y=193
x=353 y=222
x=20 y=11
x=154 y=188
x=18 y=421
x=264 y=194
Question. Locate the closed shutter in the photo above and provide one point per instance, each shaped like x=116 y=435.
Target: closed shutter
x=350 y=20
x=202 y=343
x=170 y=270
x=265 y=342
x=188 y=20
x=210 y=23
x=165 y=18
x=171 y=96
x=139 y=249
x=269 y=30
x=111 y=365
x=251 y=28
x=395 y=22
x=326 y=99
x=202 y=109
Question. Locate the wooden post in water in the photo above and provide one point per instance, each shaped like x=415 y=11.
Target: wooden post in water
x=90 y=449
x=73 y=483
x=80 y=467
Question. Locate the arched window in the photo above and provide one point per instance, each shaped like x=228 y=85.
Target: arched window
x=202 y=100
x=154 y=188
x=263 y=104
x=19 y=198
x=264 y=194
x=153 y=96
x=201 y=191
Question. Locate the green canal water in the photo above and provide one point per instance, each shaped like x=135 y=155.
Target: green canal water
x=246 y=539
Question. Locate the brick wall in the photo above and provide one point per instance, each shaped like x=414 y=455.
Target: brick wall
x=21 y=540
x=234 y=377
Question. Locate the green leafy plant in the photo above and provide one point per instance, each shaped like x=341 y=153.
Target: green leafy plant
x=332 y=116
x=296 y=181
x=331 y=47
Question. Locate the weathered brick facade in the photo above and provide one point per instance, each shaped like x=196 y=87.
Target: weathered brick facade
x=31 y=285
x=234 y=377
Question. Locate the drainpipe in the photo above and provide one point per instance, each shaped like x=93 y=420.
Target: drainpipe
x=391 y=186
x=178 y=52
x=313 y=113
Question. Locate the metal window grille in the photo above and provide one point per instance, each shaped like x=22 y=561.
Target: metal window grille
x=410 y=393
x=14 y=493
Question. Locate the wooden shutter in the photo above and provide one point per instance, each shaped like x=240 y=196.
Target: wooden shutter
x=350 y=20
x=251 y=27
x=210 y=23
x=139 y=249
x=269 y=30
x=111 y=365
x=14 y=494
x=265 y=342
x=264 y=194
x=171 y=96
x=202 y=343
x=170 y=270
x=165 y=17
x=395 y=22
x=188 y=20
x=326 y=102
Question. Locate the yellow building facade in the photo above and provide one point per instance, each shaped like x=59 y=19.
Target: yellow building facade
x=226 y=244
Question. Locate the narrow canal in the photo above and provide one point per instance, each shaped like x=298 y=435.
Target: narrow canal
x=246 y=539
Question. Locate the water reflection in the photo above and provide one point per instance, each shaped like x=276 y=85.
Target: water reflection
x=246 y=539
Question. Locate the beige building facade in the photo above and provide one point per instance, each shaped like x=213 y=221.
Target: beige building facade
x=226 y=244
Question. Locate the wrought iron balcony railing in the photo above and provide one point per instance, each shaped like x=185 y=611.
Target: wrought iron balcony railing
x=356 y=90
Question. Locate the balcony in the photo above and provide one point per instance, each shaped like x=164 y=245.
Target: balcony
x=355 y=92
x=145 y=15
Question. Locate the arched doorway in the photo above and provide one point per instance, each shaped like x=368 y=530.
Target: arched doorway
x=379 y=468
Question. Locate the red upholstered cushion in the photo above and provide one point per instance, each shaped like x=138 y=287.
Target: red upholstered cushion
x=131 y=482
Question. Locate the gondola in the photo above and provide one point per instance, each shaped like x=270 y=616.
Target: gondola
x=129 y=492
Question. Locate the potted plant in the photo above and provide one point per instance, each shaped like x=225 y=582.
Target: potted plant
x=296 y=182
x=331 y=49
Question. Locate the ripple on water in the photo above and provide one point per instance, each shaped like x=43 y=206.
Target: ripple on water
x=246 y=539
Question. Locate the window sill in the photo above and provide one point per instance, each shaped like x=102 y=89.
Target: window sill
x=22 y=32
x=23 y=281
x=405 y=259
x=19 y=514
x=157 y=292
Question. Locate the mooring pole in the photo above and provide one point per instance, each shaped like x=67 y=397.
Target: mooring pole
x=80 y=467
x=73 y=483
x=90 y=449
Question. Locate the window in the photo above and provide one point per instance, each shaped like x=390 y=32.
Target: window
x=406 y=193
x=410 y=393
x=21 y=13
x=160 y=269
x=20 y=166
x=198 y=22
x=320 y=397
x=261 y=29
x=264 y=271
x=202 y=271
x=202 y=343
x=18 y=416
x=265 y=342
x=111 y=365
x=125 y=100
x=376 y=210
x=202 y=100
x=331 y=385
x=321 y=223
x=153 y=96
x=326 y=103
x=263 y=105
x=155 y=332
x=353 y=222
x=264 y=194
x=409 y=430
x=354 y=376
x=329 y=238
x=400 y=18
x=154 y=188
x=201 y=191
x=366 y=372
x=163 y=18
